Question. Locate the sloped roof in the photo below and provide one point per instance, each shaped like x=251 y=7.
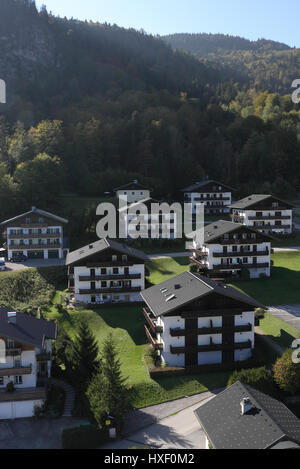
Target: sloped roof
x=186 y=288
x=254 y=199
x=27 y=330
x=100 y=246
x=222 y=227
x=201 y=185
x=268 y=423
x=134 y=185
x=38 y=212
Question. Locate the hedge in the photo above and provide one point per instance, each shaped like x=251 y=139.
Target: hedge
x=83 y=437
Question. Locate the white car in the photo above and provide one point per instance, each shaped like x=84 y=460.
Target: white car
x=2 y=265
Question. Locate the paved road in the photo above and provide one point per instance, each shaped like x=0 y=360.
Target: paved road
x=34 y=434
x=287 y=313
x=34 y=263
x=178 y=431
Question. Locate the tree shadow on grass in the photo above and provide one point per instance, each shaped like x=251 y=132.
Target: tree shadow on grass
x=281 y=288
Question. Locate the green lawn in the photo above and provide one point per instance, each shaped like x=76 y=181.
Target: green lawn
x=282 y=287
x=162 y=269
x=281 y=332
x=126 y=324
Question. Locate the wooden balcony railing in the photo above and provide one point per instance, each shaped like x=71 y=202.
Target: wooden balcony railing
x=11 y=371
x=98 y=291
x=242 y=254
x=98 y=278
x=258 y=265
x=157 y=345
x=210 y=330
x=151 y=322
x=213 y=347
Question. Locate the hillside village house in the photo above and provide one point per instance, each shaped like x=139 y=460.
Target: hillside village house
x=230 y=249
x=36 y=234
x=215 y=196
x=25 y=360
x=134 y=191
x=106 y=272
x=265 y=213
x=154 y=225
x=194 y=321
x=242 y=417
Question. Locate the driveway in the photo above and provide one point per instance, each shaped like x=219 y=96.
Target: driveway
x=171 y=425
x=34 y=434
x=288 y=313
x=34 y=263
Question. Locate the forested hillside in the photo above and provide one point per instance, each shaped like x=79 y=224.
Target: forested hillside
x=92 y=106
x=265 y=64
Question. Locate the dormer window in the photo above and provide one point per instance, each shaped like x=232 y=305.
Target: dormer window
x=41 y=220
x=124 y=258
x=114 y=258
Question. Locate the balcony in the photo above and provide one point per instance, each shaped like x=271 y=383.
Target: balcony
x=201 y=264
x=34 y=236
x=13 y=352
x=99 y=291
x=94 y=265
x=209 y=313
x=242 y=254
x=237 y=218
x=155 y=344
x=12 y=371
x=27 y=394
x=210 y=330
x=152 y=322
x=269 y=217
x=98 y=278
x=213 y=347
x=33 y=247
x=258 y=265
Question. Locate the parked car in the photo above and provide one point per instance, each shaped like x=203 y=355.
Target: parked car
x=2 y=265
x=19 y=258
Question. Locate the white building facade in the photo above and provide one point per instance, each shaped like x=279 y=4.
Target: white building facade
x=106 y=272
x=134 y=192
x=25 y=362
x=231 y=248
x=216 y=197
x=265 y=213
x=36 y=235
x=200 y=332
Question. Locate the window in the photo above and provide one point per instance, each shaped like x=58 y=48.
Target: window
x=18 y=380
x=115 y=270
x=124 y=258
x=103 y=271
x=103 y=284
x=114 y=258
x=10 y=344
x=41 y=220
x=1 y=381
x=245 y=260
x=93 y=299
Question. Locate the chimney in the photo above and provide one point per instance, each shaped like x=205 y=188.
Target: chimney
x=12 y=317
x=246 y=406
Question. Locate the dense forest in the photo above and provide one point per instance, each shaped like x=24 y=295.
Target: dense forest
x=92 y=106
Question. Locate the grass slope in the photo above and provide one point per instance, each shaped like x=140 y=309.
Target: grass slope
x=281 y=332
x=282 y=287
x=162 y=269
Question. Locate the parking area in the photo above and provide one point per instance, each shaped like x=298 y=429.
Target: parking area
x=10 y=266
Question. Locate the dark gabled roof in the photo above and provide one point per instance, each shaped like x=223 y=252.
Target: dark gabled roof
x=134 y=185
x=222 y=227
x=203 y=184
x=27 y=330
x=100 y=246
x=268 y=423
x=38 y=212
x=186 y=288
x=254 y=199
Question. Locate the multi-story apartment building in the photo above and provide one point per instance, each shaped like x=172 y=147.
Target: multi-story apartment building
x=25 y=360
x=134 y=191
x=230 y=248
x=194 y=321
x=215 y=196
x=265 y=213
x=106 y=272
x=154 y=224
x=36 y=234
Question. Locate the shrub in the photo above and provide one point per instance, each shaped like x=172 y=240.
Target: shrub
x=258 y=378
x=10 y=387
x=55 y=402
x=287 y=373
x=83 y=437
